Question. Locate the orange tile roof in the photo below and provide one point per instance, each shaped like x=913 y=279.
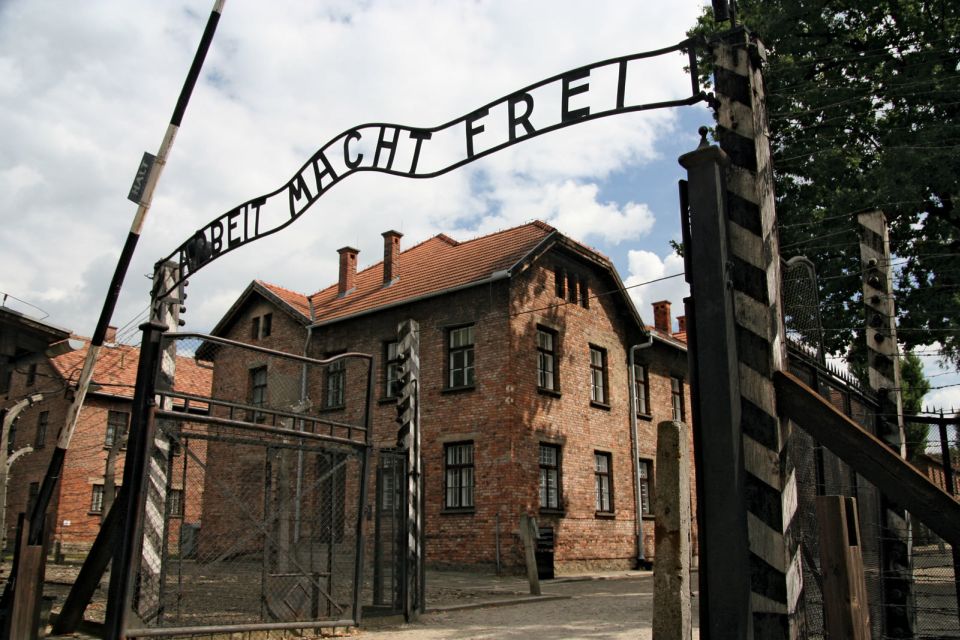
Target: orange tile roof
x=299 y=302
x=435 y=265
x=116 y=370
x=678 y=337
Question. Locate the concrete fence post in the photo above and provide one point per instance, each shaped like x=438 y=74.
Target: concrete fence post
x=883 y=369
x=671 y=567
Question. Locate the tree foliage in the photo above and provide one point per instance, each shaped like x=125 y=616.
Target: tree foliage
x=864 y=113
x=913 y=386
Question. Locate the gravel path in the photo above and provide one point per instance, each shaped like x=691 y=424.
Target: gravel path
x=614 y=609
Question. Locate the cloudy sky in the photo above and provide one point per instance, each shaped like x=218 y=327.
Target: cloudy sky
x=85 y=91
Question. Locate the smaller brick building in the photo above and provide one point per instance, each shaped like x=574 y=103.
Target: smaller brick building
x=525 y=341
x=97 y=450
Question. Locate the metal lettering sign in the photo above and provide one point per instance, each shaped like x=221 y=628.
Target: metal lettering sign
x=615 y=86
x=143 y=175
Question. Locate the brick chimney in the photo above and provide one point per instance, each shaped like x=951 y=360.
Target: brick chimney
x=348 y=270
x=391 y=256
x=661 y=316
x=681 y=324
x=110 y=336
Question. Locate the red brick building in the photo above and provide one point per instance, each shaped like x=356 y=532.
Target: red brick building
x=525 y=390
x=97 y=450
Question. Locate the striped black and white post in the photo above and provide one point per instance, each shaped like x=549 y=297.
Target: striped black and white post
x=751 y=585
x=159 y=463
x=883 y=369
x=883 y=366
x=770 y=481
x=408 y=415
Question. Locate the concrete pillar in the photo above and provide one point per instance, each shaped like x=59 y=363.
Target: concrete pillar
x=671 y=567
x=883 y=369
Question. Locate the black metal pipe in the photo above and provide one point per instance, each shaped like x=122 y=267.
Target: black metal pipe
x=134 y=481
x=94 y=565
x=364 y=472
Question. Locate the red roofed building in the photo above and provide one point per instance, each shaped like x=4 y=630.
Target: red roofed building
x=96 y=451
x=525 y=339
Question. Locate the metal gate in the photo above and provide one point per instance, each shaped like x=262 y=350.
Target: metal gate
x=389 y=527
x=255 y=494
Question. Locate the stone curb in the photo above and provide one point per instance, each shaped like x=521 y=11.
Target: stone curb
x=494 y=603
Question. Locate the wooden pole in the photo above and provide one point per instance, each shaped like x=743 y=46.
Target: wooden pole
x=529 y=534
x=845 y=607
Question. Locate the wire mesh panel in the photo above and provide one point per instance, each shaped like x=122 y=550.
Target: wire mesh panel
x=929 y=575
x=801 y=306
x=261 y=514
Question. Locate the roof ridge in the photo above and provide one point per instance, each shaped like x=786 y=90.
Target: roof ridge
x=440 y=236
x=540 y=224
x=271 y=285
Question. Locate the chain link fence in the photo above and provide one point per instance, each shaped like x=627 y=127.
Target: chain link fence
x=909 y=571
x=255 y=501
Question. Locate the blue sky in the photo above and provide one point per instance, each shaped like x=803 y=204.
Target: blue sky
x=84 y=92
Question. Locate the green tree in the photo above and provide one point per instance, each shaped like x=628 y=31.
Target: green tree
x=864 y=113
x=913 y=386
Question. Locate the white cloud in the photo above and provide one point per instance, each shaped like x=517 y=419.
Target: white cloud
x=646 y=266
x=944 y=380
x=86 y=91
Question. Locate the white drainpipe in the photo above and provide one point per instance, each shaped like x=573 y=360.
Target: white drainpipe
x=641 y=558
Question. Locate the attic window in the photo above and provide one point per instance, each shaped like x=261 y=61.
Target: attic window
x=261 y=326
x=571 y=287
x=266 y=325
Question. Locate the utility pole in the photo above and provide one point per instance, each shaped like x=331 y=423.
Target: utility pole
x=141 y=192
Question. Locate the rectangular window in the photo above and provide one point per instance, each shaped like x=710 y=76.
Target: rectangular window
x=603 y=472
x=641 y=388
x=331 y=496
x=391 y=371
x=43 y=419
x=117 y=424
x=32 y=374
x=96 y=499
x=646 y=504
x=572 y=288
x=266 y=325
x=336 y=384
x=584 y=295
x=261 y=326
x=176 y=503
x=388 y=488
x=258 y=391
x=547 y=359
x=598 y=375
x=458 y=472
x=560 y=282
x=460 y=360
x=549 y=476
x=676 y=398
